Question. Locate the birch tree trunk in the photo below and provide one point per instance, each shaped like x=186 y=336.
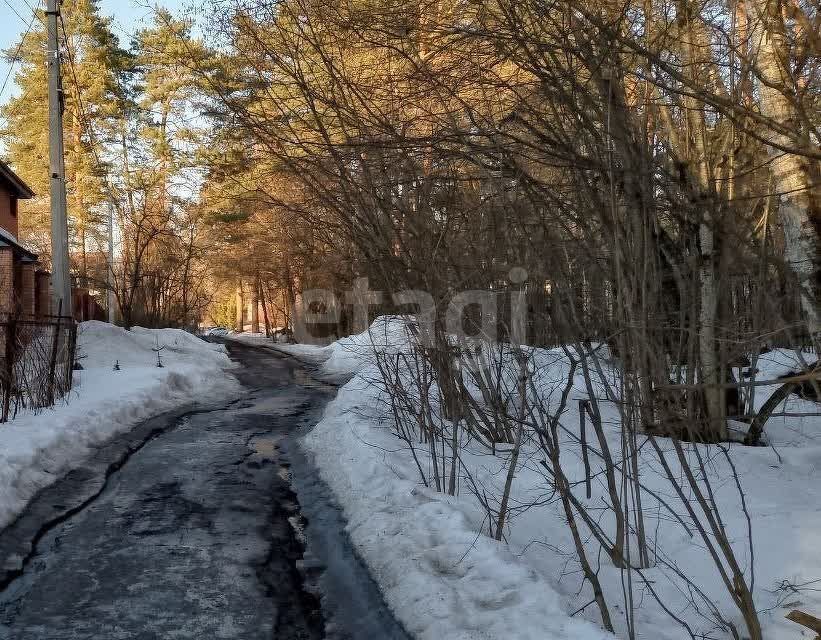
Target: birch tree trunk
x=697 y=60
x=797 y=196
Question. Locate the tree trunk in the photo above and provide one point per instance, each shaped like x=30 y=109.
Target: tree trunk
x=240 y=318
x=696 y=152
x=710 y=362
x=791 y=173
x=255 y=305
x=264 y=309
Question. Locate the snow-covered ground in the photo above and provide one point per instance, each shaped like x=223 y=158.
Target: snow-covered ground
x=445 y=578
x=35 y=450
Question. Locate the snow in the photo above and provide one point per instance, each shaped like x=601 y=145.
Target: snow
x=37 y=449
x=440 y=578
x=445 y=578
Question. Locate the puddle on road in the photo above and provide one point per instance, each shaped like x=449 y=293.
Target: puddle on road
x=266 y=447
x=306 y=380
x=264 y=404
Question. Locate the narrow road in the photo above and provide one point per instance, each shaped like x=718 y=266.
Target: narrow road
x=213 y=526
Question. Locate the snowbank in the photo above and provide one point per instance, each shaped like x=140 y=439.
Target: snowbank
x=439 y=576
x=35 y=450
x=443 y=579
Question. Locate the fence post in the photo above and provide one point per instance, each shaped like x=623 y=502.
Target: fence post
x=55 y=345
x=8 y=366
x=72 y=352
x=583 y=409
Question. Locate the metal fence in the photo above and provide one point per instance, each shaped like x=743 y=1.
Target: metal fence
x=36 y=362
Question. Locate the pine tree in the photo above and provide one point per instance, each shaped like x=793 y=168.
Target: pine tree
x=92 y=59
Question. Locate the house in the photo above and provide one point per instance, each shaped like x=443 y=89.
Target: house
x=85 y=291
x=24 y=288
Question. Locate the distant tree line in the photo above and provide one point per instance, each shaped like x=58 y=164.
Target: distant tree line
x=653 y=167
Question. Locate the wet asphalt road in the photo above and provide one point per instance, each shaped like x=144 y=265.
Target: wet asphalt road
x=214 y=525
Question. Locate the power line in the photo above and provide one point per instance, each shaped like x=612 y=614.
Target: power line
x=17 y=53
x=17 y=13
x=34 y=16
x=82 y=115
x=30 y=8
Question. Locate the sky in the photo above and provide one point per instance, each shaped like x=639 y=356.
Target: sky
x=129 y=15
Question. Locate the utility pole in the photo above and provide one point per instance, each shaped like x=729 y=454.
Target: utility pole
x=111 y=300
x=60 y=276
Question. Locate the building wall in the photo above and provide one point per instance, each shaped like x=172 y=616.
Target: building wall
x=7 y=296
x=8 y=207
x=27 y=290
x=42 y=296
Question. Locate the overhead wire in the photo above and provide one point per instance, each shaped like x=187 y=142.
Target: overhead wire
x=16 y=55
x=81 y=113
x=14 y=11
